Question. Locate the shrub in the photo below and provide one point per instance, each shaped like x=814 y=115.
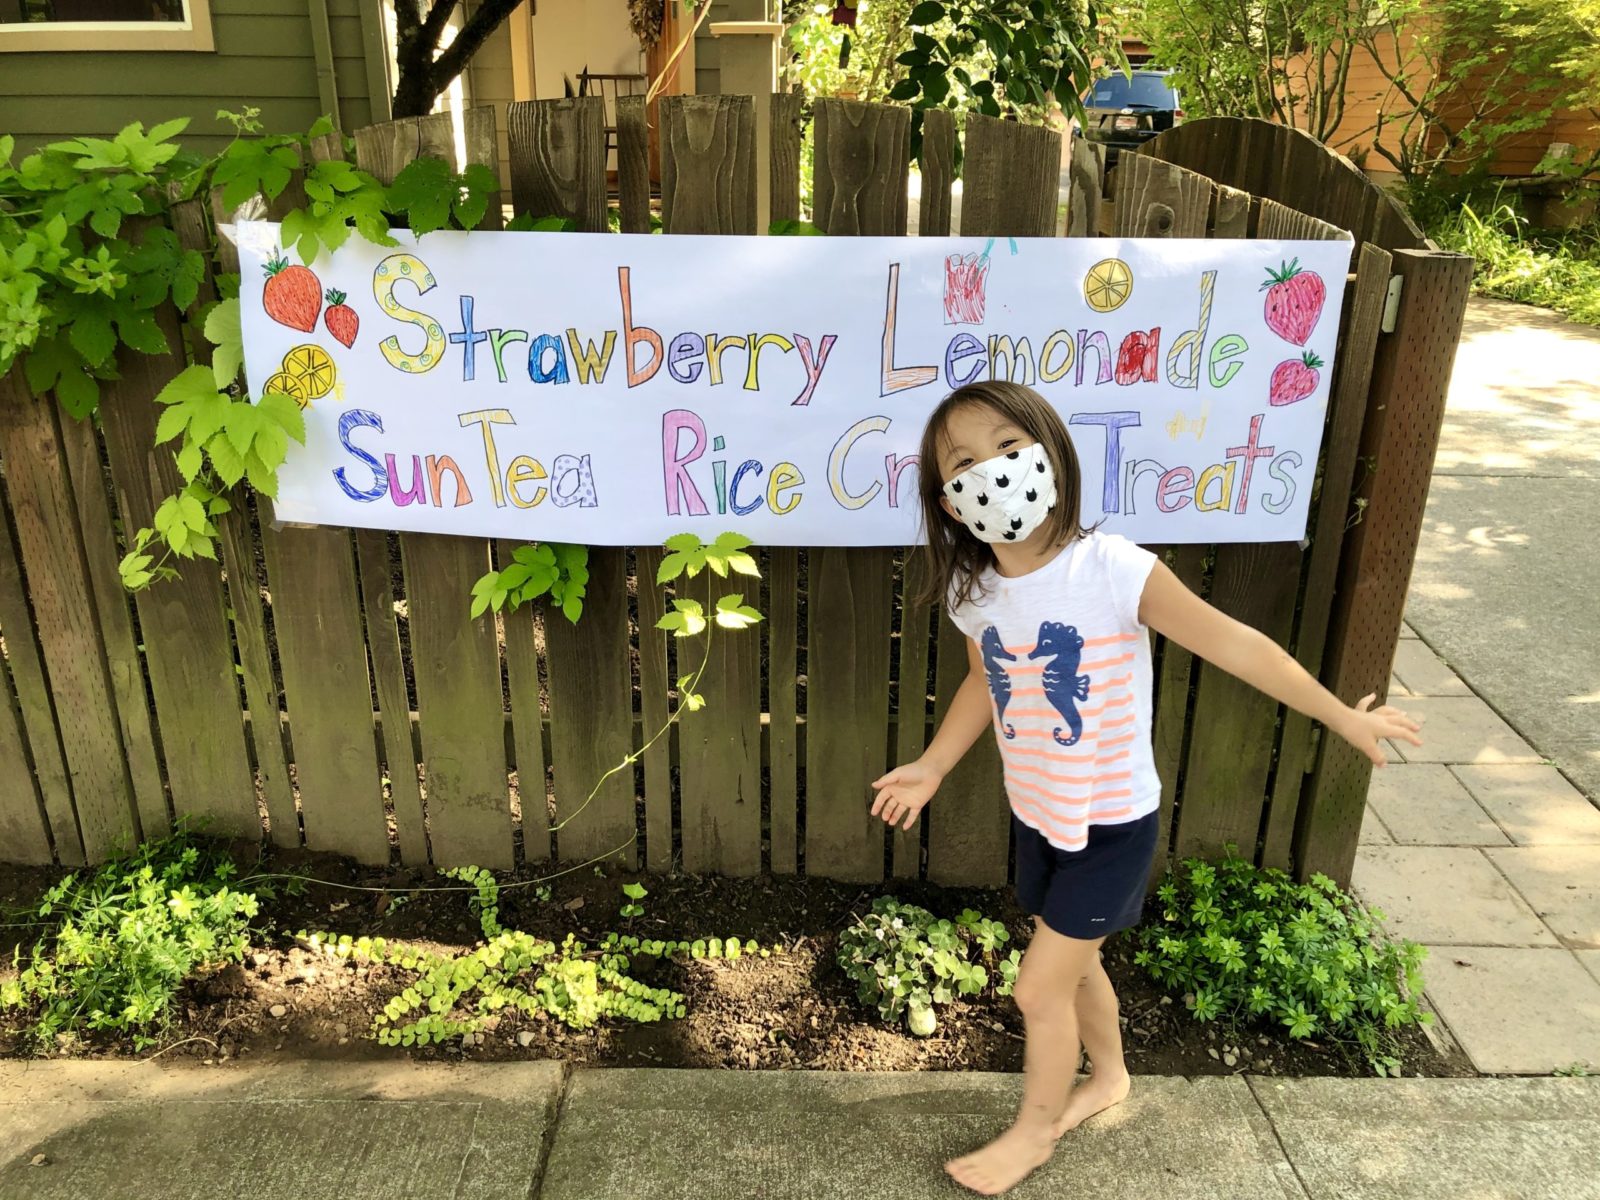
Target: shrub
x=906 y=962
x=1562 y=273
x=1247 y=944
x=123 y=938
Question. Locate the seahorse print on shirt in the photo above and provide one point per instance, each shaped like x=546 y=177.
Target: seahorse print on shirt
x=1061 y=681
x=999 y=682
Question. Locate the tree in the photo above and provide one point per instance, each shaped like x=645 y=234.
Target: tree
x=423 y=71
x=1281 y=60
x=1473 y=73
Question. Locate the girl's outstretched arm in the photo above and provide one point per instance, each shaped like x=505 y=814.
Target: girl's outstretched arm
x=1173 y=610
x=902 y=793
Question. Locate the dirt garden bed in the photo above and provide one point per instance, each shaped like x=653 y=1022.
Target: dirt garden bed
x=794 y=1010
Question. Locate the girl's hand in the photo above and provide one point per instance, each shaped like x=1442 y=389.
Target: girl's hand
x=903 y=792
x=1363 y=728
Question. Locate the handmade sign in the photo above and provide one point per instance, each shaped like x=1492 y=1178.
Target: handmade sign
x=615 y=390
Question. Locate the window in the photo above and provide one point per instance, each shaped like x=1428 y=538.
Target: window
x=44 y=25
x=1142 y=91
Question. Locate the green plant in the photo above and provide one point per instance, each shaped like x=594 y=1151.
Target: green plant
x=553 y=568
x=86 y=261
x=635 y=892
x=124 y=937
x=906 y=962
x=688 y=555
x=1011 y=56
x=452 y=995
x=1282 y=60
x=1559 y=272
x=1462 y=78
x=1575 y=1070
x=1246 y=944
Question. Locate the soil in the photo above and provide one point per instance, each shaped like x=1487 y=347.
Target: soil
x=792 y=1010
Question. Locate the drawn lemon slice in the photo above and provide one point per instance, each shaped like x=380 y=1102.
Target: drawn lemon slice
x=313 y=368
x=287 y=385
x=1108 y=285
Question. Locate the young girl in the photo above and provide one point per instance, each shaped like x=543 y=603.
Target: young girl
x=1056 y=617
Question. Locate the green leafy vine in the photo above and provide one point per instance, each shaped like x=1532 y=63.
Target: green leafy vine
x=87 y=258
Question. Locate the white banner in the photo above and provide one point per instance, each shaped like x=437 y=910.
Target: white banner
x=615 y=390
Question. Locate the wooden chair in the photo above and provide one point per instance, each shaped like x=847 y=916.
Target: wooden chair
x=608 y=88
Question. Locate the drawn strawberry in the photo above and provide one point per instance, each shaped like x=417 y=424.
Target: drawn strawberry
x=1295 y=379
x=340 y=318
x=1294 y=301
x=293 y=295
x=1138 y=357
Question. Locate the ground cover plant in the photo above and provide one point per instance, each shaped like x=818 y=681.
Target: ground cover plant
x=908 y=963
x=295 y=998
x=118 y=942
x=1561 y=271
x=1249 y=946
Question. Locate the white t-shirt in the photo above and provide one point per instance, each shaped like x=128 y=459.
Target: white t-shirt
x=1068 y=665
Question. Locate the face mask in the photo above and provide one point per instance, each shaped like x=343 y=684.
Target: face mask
x=1006 y=498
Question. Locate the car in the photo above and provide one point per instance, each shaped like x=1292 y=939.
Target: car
x=1123 y=112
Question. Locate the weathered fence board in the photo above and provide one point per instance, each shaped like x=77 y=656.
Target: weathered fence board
x=861 y=169
x=938 y=172
x=455 y=659
x=183 y=621
x=1358 y=340
x=457 y=667
x=1405 y=407
x=1256 y=583
x=708 y=164
x=558 y=161
x=709 y=186
x=910 y=697
x=81 y=450
x=52 y=555
x=783 y=728
x=591 y=716
x=781 y=629
x=633 y=165
x=316 y=610
x=654 y=681
x=783 y=157
x=25 y=797
x=388 y=660
x=527 y=718
x=265 y=729
x=1009 y=188
x=1156 y=198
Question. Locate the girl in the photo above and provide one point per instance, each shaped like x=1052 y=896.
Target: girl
x=1056 y=617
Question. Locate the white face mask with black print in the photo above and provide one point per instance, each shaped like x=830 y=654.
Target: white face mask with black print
x=1005 y=499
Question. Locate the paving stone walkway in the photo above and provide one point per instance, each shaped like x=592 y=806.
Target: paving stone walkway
x=1482 y=844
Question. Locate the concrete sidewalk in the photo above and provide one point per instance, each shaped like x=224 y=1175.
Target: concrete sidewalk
x=535 y=1131
x=1482 y=844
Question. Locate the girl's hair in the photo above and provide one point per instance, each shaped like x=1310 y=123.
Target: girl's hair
x=954 y=556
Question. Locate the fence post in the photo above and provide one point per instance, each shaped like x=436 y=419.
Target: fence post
x=1405 y=409
x=455 y=660
x=1010 y=181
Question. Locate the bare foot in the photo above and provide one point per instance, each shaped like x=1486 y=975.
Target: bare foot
x=1004 y=1162
x=1098 y=1093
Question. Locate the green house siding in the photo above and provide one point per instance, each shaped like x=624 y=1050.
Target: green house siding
x=263 y=57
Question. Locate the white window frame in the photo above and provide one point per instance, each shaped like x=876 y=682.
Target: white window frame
x=192 y=33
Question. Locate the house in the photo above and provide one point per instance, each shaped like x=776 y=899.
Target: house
x=1375 y=112
x=89 y=67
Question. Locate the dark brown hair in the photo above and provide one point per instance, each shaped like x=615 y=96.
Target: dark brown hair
x=954 y=556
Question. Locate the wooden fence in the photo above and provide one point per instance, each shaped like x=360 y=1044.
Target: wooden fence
x=327 y=686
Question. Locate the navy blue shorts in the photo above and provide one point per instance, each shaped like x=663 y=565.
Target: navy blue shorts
x=1092 y=892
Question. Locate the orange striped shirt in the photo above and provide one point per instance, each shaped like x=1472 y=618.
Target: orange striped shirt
x=1068 y=666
